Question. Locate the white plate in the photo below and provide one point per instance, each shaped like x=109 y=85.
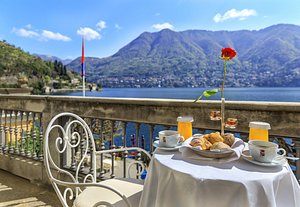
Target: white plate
x=276 y=162
x=156 y=144
x=214 y=153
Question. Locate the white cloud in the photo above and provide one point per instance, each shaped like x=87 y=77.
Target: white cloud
x=217 y=18
x=165 y=25
x=157 y=14
x=88 y=33
x=233 y=13
x=25 y=32
x=45 y=35
x=29 y=26
x=54 y=36
x=118 y=27
x=101 y=25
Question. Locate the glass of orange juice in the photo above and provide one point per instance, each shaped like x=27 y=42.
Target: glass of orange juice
x=259 y=131
x=185 y=126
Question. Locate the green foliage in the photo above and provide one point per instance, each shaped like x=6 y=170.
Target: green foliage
x=38 y=87
x=208 y=93
x=57 y=85
x=5 y=85
x=30 y=146
x=15 y=62
x=47 y=79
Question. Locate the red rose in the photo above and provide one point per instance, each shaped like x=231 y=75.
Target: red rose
x=228 y=53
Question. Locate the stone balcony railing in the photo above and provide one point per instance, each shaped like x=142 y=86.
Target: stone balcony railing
x=126 y=122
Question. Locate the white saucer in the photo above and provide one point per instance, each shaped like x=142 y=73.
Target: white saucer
x=276 y=162
x=156 y=144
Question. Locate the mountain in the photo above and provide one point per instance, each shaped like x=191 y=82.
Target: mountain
x=53 y=58
x=266 y=57
x=20 y=69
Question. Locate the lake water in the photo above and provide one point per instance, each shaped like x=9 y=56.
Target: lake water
x=234 y=94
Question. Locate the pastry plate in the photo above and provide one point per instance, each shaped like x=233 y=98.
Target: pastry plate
x=276 y=162
x=156 y=144
x=209 y=153
x=213 y=153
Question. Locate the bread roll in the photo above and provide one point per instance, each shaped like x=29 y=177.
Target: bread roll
x=215 y=137
x=202 y=142
x=229 y=139
x=220 y=145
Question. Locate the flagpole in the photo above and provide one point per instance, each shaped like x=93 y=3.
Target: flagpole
x=83 y=85
x=82 y=68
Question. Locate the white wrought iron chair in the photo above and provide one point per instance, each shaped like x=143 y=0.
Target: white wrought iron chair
x=83 y=190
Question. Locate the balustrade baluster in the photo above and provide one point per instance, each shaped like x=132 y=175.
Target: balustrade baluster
x=73 y=149
x=151 y=129
x=22 y=134
x=28 y=152
x=124 y=127
x=138 y=154
x=102 y=148
x=41 y=138
x=143 y=142
x=16 y=134
x=138 y=167
x=34 y=154
x=1 y=130
x=137 y=130
x=11 y=147
x=113 y=146
x=82 y=147
x=98 y=132
x=5 y=133
x=132 y=138
x=91 y=147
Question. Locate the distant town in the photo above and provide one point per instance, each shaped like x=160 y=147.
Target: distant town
x=191 y=81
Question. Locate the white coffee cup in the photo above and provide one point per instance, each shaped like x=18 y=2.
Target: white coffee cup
x=169 y=138
x=263 y=151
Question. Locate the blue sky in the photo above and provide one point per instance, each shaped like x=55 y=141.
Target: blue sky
x=55 y=27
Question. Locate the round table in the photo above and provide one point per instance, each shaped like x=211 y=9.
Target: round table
x=173 y=181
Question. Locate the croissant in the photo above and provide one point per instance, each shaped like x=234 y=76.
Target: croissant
x=215 y=137
x=202 y=142
x=220 y=145
x=229 y=139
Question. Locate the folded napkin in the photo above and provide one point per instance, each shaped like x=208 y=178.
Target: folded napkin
x=188 y=153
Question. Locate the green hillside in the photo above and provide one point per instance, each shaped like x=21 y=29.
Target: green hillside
x=18 y=69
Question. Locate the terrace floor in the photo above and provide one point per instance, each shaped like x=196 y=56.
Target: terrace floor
x=19 y=192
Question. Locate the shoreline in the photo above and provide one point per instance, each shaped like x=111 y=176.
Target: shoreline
x=291 y=94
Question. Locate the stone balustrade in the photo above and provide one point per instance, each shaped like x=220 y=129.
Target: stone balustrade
x=19 y=140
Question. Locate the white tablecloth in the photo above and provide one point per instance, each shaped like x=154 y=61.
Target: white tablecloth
x=176 y=182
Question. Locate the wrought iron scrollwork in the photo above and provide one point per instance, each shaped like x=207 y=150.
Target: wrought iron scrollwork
x=71 y=141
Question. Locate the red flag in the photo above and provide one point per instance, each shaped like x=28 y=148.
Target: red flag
x=82 y=59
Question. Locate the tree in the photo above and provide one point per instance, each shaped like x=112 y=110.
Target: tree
x=57 y=85
x=38 y=87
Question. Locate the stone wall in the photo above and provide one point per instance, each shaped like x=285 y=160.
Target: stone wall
x=284 y=117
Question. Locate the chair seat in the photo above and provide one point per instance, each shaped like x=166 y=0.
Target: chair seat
x=131 y=188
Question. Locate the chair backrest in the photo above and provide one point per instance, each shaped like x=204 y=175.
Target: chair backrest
x=74 y=136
